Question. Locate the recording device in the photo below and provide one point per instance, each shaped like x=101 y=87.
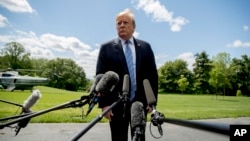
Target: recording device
x=93 y=96
x=125 y=92
x=31 y=101
x=157 y=118
x=104 y=83
x=125 y=87
x=138 y=122
x=107 y=83
x=97 y=79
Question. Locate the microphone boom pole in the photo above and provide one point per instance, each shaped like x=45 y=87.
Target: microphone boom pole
x=96 y=120
x=217 y=128
x=9 y=102
x=108 y=81
x=74 y=103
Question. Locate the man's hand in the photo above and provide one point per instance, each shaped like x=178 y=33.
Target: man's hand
x=108 y=114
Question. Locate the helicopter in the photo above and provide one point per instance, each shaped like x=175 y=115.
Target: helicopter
x=11 y=80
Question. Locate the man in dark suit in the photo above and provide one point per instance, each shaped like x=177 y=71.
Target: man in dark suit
x=112 y=58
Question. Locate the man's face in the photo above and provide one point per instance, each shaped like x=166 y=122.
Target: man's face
x=125 y=27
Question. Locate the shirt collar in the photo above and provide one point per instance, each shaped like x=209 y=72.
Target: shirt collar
x=131 y=40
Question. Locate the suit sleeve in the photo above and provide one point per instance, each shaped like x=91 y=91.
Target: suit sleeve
x=152 y=73
x=103 y=65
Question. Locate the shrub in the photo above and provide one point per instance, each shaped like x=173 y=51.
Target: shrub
x=238 y=93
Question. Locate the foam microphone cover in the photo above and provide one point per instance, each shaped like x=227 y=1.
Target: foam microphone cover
x=31 y=100
x=149 y=92
x=97 y=79
x=107 y=82
x=137 y=115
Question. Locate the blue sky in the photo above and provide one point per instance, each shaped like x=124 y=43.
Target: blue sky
x=176 y=29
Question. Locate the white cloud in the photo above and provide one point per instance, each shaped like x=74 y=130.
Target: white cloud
x=245 y=28
x=159 y=13
x=160 y=59
x=19 y=6
x=189 y=58
x=238 y=44
x=3 y=21
x=50 y=46
x=136 y=34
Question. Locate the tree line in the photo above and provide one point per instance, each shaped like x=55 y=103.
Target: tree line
x=218 y=75
x=62 y=73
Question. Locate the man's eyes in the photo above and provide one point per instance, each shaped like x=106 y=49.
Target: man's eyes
x=122 y=22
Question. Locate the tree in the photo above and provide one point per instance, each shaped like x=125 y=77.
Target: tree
x=240 y=78
x=219 y=75
x=183 y=83
x=202 y=67
x=15 y=56
x=170 y=73
x=65 y=74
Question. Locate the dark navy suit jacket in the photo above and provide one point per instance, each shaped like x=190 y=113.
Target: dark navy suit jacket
x=111 y=58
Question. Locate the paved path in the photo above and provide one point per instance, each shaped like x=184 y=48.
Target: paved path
x=100 y=132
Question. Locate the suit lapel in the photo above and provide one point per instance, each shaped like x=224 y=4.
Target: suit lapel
x=119 y=52
x=138 y=54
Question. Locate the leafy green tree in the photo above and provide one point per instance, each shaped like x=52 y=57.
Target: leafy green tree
x=15 y=56
x=219 y=75
x=65 y=74
x=170 y=73
x=183 y=83
x=240 y=77
x=202 y=67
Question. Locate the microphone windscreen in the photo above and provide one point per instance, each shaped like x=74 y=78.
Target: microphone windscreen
x=137 y=115
x=107 y=82
x=125 y=87
x=31 y=100
x=149 y=92
x=97 y=79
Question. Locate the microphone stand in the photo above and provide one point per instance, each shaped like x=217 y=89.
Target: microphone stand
x=74 y=103
x=97 y=119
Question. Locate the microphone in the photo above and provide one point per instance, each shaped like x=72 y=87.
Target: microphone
x=125 y=87
x=97 y=79
x=31 y=101
x=138 y=122
x=107 y=83
x=125 y=92
x=149 y=92
x=93 y=96
x=157 y=118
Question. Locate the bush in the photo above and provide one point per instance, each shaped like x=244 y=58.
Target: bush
x=238 y=93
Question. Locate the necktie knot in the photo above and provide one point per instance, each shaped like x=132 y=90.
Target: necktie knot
x=127 y=42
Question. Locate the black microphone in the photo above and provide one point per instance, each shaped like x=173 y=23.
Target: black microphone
x=93 y=95
x=31 y=101
x=157 y=118
x=107 y=83
x=97 y=79
x=138 y=122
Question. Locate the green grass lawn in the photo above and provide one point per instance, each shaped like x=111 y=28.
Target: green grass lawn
x=171 y=105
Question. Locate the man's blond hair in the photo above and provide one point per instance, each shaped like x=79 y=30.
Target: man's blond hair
x=128 y=12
